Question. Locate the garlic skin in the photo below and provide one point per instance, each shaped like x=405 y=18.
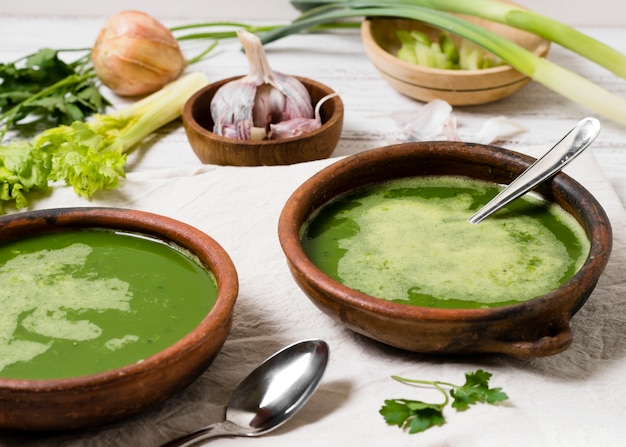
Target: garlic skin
x=135 y=54
x=497 y=129
x=435 y=121
x=260 y=99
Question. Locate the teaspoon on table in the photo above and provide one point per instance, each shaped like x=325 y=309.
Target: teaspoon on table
x=570 y=146
x=270 y=395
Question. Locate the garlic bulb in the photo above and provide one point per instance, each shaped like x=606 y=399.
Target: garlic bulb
x=135 y=54
x=246 y=109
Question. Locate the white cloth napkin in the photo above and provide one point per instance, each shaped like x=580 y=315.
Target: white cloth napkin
x=576 y=398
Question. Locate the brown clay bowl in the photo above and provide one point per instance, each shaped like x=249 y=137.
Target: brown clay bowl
x=538 y=327
x=457 y=87
x=215 y=149
x=85 y=401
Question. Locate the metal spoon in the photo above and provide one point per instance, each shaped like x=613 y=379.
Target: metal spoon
x=270 y=395
x=570 y=146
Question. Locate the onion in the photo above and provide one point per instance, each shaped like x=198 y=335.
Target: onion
x=135 y=54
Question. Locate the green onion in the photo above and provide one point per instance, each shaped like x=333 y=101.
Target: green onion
x=509 y=14
x=559 y=79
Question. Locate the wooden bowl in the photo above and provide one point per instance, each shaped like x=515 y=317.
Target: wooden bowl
x=215 y=149
x=90 y=400
x=457 y=87
x=538 y=327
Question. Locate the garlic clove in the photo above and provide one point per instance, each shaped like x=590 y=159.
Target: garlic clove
x=293 y=128
x=298 y=101
x=134 y=54
x=230 y=109
x=269 y=106
x=298 y=126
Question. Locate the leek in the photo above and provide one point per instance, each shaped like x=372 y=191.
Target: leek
x=558 y=79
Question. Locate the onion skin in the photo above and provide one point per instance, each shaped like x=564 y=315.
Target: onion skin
x=135 y=54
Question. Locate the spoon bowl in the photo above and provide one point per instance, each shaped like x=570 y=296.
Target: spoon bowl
x=561 y=154
x=270 y=395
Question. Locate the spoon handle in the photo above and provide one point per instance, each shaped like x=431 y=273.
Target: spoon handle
x=210 y=431
x=570 y=146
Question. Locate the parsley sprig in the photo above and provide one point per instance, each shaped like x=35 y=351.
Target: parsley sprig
x=41 y=87
x=417 y=416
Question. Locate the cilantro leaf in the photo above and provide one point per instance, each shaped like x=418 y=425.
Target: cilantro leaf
x=476 y=389
x=417 y=416
x=413 y=415
x=395 y=412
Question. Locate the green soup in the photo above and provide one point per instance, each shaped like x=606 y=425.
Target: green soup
x=408 y=241
x=82 y=302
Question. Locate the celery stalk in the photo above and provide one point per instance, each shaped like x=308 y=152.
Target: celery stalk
x=154 y=111
x=560 y=80
x=89 y=156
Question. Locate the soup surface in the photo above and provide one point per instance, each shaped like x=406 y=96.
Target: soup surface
x=408 y=240
x=81 y=302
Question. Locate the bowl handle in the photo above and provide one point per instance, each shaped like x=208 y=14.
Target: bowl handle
x=548 y=345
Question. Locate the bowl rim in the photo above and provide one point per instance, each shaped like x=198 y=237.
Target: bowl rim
x=190 y=120
x=301 y=205
x=158 y=226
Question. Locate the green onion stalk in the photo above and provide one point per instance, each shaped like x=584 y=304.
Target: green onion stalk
x=434 y=13
x=228 y=30
x=509 y=14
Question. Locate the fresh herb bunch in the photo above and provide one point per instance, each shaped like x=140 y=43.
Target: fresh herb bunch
x=42 y=88
x=417 y=416
x=89 y=156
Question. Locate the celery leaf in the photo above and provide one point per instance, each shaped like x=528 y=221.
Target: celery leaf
x=23 y=168
x=80 y=158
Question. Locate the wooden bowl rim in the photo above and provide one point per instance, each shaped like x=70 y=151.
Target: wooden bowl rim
x=158 y=226
x=308 y=198
x=190 y=120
